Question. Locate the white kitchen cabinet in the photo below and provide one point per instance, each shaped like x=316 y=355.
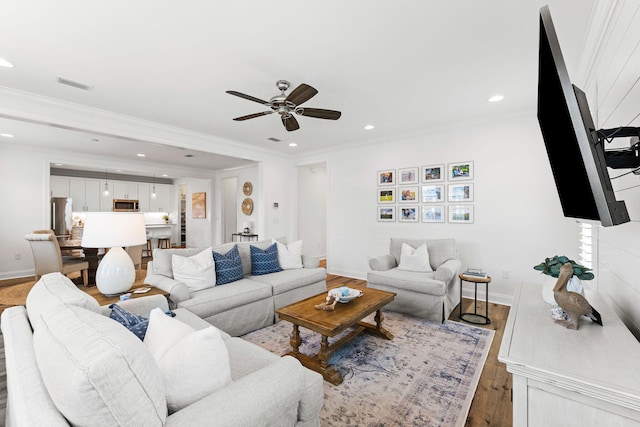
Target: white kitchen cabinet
x=144 y=191
x=59 y=186
x=563 y=377
x=163 y=202
x=85 y=194
x=125 y=190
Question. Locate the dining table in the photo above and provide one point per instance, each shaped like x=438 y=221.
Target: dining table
x=90 y=254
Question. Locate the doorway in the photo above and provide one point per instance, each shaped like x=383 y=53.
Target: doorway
x=229 y=208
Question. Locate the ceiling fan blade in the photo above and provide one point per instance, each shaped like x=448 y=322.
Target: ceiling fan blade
x=249 y=97
x=252 y=116
x=290 y=123
x=319 y=113
x=301 y=94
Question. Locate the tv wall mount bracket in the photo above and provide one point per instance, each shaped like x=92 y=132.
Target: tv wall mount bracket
x=621 y=158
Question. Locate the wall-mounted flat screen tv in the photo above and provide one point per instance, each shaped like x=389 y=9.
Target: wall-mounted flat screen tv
x=577 y=158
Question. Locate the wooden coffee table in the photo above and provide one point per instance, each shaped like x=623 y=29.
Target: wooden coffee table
x=331 y=323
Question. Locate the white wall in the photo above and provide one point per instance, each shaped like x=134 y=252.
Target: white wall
x=312 y=209
x=518 y=218
x=248 y=174
x=611 y=71
x=24 y=206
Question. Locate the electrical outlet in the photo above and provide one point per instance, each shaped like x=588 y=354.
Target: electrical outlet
x=505 y=274
x=17 y=257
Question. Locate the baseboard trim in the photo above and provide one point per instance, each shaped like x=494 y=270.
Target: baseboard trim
x=502 y=299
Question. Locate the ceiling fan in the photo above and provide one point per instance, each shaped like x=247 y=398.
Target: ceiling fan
x=286 y=105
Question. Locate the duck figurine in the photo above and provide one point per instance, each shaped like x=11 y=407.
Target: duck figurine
x=574 y=304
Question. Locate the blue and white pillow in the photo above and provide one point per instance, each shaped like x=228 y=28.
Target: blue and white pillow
x=228 y=266
x=264 y=261
x=136 y=324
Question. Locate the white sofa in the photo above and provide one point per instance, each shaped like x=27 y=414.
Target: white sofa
x=242 y=306
x=429 y=295
x=68 y=363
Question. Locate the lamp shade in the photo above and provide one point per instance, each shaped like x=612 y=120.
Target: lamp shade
x=110 y=229
x=116 y=272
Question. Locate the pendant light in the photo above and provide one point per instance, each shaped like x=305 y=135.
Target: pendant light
x=106 y=184
x=153 y=190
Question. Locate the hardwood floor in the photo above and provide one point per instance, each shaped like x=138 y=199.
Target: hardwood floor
x=491 y=405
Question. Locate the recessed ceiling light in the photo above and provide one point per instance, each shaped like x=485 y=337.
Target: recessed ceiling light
x=293 y=144
x=6 y=135
x=496 y=98
x=5 y=63
x=369 y=127
x=58 y=164
x=141 y=155
x=165 y=175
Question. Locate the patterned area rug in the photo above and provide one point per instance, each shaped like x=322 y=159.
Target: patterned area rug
x=426 y=376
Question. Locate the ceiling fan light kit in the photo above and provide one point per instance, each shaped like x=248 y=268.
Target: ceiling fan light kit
x=287 y=105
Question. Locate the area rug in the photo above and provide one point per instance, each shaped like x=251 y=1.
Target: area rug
x=426 y=376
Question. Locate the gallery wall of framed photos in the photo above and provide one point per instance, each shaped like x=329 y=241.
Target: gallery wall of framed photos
x=428 y=194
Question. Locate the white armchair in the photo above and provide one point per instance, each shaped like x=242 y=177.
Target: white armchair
x=430 y=295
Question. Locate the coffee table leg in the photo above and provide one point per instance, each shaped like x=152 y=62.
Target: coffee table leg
x=295 y=341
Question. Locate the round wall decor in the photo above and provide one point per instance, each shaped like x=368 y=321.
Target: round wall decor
x=247 y=206
x=247 y=188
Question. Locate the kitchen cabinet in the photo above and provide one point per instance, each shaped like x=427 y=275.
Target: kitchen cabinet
x=163 y=201
x=59 y=186
x=144 y=191
x=85 y=194
x=125 y=190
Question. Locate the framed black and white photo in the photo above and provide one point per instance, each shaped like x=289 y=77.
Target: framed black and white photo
x=386 y=213
x=460 y=171
x=462 y=192
x=386 y=195
x=432 y=173
x=432 y=193
x=461 y=214
x=387 y=177
x=408 y=194
x=433 y=213
x=407 y=176
x=408 y=214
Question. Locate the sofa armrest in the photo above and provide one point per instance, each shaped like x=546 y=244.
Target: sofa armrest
x=177 y=291
x=261 y=398
x=448 y=270
x=310 y=261
x=382 y=262
x=141 y=306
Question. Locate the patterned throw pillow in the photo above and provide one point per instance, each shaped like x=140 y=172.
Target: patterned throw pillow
x=136 y=324
x=264 y=261
x=228 y=266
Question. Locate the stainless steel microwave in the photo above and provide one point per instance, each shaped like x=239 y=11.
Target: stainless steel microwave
x=120 y=205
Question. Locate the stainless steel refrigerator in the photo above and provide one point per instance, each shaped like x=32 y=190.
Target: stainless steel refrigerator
x=61 y=216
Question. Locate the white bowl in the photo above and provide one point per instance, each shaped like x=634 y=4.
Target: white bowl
x=353 y=294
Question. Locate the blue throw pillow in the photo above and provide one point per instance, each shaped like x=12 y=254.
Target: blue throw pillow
x=264 y=261
x=228 y=266
x=136 y=324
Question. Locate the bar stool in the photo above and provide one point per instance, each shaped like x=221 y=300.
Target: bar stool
x=164 y=242
x=147 y=251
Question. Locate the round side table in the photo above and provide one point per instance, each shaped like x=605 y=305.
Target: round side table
x=484 y=320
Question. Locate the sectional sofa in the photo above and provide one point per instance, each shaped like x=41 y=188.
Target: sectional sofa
x=244 y=305
x=69 y=363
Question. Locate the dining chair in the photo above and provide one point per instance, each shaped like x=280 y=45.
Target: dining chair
x=135 y=252
x=48 y=257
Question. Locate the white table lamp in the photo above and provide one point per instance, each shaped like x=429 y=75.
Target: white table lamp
x=116 y=272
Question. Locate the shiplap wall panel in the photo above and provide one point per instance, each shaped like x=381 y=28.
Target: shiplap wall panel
x=614 y=95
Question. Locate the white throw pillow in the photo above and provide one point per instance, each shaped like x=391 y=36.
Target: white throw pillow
x=414 y=259
x=289 y=256
x=193 y=363
x=197 y=272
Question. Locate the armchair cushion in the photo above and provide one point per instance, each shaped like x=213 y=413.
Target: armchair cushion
x=193 y=363
x=439 y=250
x=414 y=259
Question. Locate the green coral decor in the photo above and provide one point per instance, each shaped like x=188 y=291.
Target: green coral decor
x=551 y=267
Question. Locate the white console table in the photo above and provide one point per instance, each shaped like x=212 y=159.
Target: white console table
x=562 y=377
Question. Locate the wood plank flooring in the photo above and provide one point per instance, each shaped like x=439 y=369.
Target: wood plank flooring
x=491 y=405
